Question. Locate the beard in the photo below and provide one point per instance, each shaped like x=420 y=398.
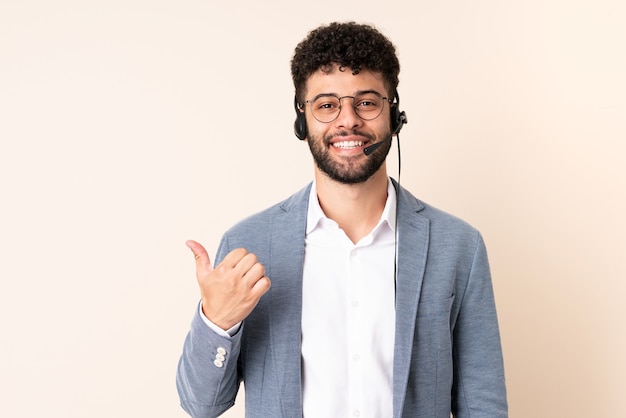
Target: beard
x=350 y=170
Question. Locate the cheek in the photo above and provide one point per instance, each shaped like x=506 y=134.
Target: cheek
x=316 y=131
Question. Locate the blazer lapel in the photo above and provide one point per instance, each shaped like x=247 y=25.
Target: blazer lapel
x=286 y=265
x=413 y=240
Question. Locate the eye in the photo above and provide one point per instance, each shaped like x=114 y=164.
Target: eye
x=326 y=104
x=368 y=103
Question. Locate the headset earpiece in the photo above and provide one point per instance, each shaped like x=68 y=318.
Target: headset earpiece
x=299 y=126
x=398 y=117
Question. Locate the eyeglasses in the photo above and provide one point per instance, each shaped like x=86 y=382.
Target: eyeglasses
x=367 y=105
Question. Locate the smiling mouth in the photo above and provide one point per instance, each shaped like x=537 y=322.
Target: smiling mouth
x=348 y=144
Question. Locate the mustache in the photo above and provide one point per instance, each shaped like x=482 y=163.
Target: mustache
x=328 y=138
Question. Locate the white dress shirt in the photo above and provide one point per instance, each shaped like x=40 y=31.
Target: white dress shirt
x=348 y=317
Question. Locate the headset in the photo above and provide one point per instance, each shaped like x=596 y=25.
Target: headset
x=398 y=119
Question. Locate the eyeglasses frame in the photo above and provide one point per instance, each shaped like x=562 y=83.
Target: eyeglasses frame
x=339 y=98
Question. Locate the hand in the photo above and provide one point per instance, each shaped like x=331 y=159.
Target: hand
x=233 y=288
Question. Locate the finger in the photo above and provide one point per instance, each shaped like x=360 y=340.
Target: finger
x=247 y=262
x=234 y=257
x=202 y=257
x=254 y=274
x=261 y=286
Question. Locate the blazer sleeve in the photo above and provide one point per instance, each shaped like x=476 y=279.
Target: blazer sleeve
x=479 y=389
x=208 y=378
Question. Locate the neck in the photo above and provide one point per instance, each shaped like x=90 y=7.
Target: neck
x=356 y=208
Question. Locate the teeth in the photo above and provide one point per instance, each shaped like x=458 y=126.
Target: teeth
x=348 y=144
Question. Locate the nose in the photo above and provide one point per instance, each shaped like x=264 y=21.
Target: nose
x=348 y=118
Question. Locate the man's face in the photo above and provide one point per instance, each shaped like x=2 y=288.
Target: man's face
x=337 y=146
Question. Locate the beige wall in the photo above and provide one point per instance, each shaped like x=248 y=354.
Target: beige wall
x=127 y=127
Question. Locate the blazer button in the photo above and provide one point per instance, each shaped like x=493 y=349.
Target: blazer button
x=220 y=357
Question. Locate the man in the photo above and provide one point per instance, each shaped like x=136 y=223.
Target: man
x=379 y=304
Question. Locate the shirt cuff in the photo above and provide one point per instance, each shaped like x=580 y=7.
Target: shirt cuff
x=228 y=333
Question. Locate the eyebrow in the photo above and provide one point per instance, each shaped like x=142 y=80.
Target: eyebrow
x=358 y=93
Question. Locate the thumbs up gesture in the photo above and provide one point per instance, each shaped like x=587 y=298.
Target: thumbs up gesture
x=232 y=289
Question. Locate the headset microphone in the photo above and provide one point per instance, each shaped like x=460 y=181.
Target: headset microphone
x=398 y=119
x=370 y=149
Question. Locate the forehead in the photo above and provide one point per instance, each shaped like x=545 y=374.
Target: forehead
x=343 y=82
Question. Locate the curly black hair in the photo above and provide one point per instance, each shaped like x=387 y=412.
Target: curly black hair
x=348 y=45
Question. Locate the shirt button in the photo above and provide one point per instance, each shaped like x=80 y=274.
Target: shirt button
x=356 y=413
x=356 y=357
x=355 y=303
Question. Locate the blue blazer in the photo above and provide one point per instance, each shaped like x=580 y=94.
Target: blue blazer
x=447 y=356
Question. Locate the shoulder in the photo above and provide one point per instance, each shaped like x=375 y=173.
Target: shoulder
x=283 y=216
x=445 y=232
x=412 y=207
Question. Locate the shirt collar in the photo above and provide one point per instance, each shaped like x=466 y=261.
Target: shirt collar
x=315 y=214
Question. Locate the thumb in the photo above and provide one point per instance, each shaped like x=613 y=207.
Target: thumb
x=203 y=262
